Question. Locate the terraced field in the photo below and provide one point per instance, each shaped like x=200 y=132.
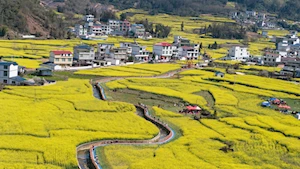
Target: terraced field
x=42 y=126
x=132 y=70
x=258 y=137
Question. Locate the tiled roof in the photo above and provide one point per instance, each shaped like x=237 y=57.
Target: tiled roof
x=187 y=47
x=163 y=44
x=59 y=52
x=8 y=63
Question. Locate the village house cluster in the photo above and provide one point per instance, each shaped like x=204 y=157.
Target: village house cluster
x=287 y=54
x=262 y=20
x=93 y=29
x=105 y=54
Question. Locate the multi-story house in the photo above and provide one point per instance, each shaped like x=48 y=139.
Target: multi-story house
x=140 y=53
x=84 y=54
x=128 y=46
x=239 y=53
x=163 y=51
x=291 y=67
x=103 y=50
x=138 y=30
x=61 y=57
x=89 y=18
x=97 y=30
x=106 y=29
x=272 y=58
x=180 y=41
x=81 y=30
x=114 y=25
x=283 y=46
x=124 y=26
x=117 y=56
x=188 y=52
x=251 y=13
x=9 y=73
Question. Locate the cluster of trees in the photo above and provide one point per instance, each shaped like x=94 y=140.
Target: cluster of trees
x=177 y=7
x=159 y=30
x=213 y=46
x=288 y=26
x=289 y=9
x=285 y=8
x=227 y=31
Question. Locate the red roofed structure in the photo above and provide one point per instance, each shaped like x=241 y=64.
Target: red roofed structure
x=61 y=52
x=163 y=51
x=61 y=57
x=163 y=44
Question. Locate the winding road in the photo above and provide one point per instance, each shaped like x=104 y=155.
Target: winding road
x=86 y=155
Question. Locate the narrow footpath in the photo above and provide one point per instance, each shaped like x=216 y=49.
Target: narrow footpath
x=86 y=154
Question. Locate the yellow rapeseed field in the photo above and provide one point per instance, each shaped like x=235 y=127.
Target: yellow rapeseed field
x=259 y=137
x=132 y=70
x=41 y=126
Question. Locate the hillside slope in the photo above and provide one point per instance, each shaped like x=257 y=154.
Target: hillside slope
x=289 y=9
x=28 y=16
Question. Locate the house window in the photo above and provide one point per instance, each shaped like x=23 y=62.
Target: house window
x=5 y=81
x=5 y=67
x=5 y=73
x=57 y=60
x=70 y=60
x=81 y=56
x=63 y=60
x=13 y=82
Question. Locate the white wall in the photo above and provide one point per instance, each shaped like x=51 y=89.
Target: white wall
x=163 y=50
x=238 y=53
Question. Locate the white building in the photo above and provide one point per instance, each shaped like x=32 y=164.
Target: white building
x=81 y=30
x=9 y=73
x=62 y=58
x=140 y=53
x=238 y=53
x=89 y=18
x=106 y=29
x=251 y=13
x=283 y=46
x=163 y=51
x=96 y=30
x=114 y=25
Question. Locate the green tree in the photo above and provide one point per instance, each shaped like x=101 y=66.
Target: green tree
x=3 y=31
x=182 y=26
x=123 y=16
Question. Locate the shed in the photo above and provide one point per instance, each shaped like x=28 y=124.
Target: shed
x=286 y=107
x=193 y=108
x=220 y=74
x=44 y=72
x=17 y=80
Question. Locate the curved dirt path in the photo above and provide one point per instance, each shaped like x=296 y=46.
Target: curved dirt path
x=86 y=155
